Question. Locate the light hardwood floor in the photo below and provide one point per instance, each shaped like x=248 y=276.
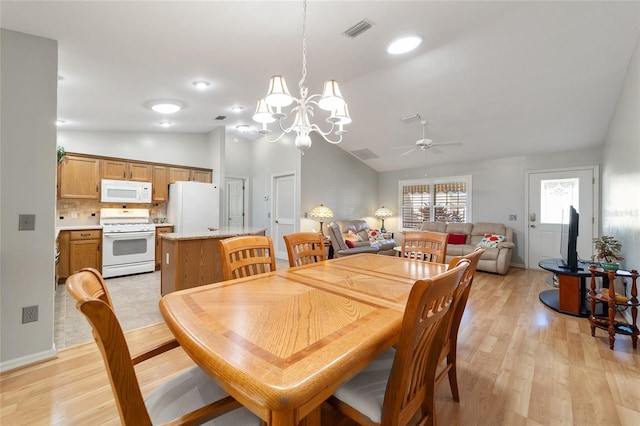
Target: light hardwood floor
x=519 y=363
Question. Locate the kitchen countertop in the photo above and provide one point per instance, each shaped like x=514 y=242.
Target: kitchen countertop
x=223 y=232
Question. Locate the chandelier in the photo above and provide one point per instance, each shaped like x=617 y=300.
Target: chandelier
x=278 y=96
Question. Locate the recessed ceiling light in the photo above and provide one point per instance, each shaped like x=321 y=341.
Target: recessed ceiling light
x=60 y=122
x=166 y=106
x=166 y=123
x=236 y=108
x=201 y=84
x=404 y=45
x=244 y=128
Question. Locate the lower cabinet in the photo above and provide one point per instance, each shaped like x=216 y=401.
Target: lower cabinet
x=159 y=231
x=79 y=249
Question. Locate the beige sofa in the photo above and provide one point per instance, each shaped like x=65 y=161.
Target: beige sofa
x=353 y=230
x=495 y=260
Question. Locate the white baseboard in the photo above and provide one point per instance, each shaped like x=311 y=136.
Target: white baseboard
x=28 y=360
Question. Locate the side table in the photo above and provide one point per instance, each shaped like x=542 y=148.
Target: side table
x=614 y=301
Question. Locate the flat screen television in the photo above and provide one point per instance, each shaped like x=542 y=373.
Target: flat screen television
x=569 y=241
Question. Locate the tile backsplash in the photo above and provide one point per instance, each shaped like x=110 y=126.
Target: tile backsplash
x=87 y=212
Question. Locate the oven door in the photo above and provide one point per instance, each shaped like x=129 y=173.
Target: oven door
x=122 y=248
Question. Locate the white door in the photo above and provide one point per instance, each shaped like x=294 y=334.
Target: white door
x=284 y=212
x=235 y=202
x=550 y=195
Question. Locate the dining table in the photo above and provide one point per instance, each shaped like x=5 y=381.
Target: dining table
x=282 y=342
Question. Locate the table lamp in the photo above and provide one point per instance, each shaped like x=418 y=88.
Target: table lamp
x=381 y=213
x=321 y=212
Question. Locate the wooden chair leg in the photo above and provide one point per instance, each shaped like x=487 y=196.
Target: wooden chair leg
x=453 y=375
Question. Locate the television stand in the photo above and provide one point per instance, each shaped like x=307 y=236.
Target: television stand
x=571 y=294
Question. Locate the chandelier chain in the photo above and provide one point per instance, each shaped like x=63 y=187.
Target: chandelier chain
x=304 y=48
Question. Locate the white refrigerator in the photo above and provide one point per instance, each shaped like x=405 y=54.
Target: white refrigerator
x=193 y=206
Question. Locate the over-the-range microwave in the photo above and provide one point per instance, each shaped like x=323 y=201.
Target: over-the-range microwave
x=125 y=191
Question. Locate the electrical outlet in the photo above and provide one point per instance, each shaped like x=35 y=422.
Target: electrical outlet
x=74 y=215
x=29 y=314
x=513 y=217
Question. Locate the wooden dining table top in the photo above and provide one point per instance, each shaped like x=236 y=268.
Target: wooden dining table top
x=282 y=342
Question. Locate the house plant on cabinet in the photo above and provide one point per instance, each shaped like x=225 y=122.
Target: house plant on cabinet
x=608 y=252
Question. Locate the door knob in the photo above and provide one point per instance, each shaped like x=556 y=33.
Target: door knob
x=533 y=226
x=277 y=221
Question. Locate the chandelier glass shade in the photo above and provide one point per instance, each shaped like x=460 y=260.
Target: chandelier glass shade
x=269 y=108
x=381 y=213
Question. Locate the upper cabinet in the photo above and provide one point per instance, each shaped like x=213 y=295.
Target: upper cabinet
x=79 y=177
x=126 y=170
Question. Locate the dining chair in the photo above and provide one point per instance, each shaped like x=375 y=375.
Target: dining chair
x=450 y=347
x=304 y=248
x=189 y=398
x=398 y=386
x=246 y=255
x=429 y=246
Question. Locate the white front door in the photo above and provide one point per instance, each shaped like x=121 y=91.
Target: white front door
x=284 y=212
x=235 y=202
x=550 y=195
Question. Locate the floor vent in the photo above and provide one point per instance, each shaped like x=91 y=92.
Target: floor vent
x=358 y=29
x=365 y=154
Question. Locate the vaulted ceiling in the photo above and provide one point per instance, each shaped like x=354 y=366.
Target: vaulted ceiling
x=501 y=78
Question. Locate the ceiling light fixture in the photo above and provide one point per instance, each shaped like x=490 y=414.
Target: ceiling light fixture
x=236 y=108
x=60 y=122
x=278 y=96
x=201 y=84
x=166 y=106
x=404 y=45
x=244 y=128
x=166 y=124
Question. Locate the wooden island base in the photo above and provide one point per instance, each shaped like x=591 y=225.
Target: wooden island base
x=193 y=259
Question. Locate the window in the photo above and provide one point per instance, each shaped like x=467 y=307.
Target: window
x=435 y=200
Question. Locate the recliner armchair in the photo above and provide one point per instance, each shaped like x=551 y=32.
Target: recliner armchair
x=359 y=227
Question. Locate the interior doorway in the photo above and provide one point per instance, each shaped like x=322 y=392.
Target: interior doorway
x=236 y=201
x=284 y=211
x=550 y=193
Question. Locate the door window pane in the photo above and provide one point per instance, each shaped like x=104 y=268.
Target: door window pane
x=556 y=195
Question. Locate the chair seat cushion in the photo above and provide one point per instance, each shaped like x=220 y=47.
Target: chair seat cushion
x=365 y=391
x=189 y=391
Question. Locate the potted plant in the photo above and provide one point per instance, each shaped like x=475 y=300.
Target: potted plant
x=608 y=249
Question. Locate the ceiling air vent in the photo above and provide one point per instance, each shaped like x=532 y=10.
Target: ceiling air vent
x=221 y=117
x=358 y=29
x=365 y=154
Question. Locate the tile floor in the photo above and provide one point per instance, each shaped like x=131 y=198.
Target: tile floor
x=135 y=298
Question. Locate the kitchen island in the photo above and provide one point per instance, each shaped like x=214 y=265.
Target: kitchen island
x=192 y=259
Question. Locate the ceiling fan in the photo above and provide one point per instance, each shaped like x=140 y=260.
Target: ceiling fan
x=425 y=144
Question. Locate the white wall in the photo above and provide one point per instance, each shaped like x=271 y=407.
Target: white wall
x=498 y=187
x=28 y=91
x=621 y=168
x=335 y=178
x=185 y=149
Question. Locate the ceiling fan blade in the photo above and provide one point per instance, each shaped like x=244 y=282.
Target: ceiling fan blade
x=446 y=143
x=408 y=152
x=434 y=150
x=403 y=147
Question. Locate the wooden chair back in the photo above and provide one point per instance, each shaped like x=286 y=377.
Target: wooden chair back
x=247 y=255
x=424 y=245
x=88 y=288
x=410 y=389
x=454 y=318
x=304 y=248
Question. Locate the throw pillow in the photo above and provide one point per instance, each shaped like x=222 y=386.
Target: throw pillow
x=349 y=243
x=490 y=241
x=457 y=239
x=375 y=234
x=352 y=236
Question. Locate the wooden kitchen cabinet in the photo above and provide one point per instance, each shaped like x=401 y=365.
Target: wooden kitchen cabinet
x=79 y=249
x=79 y=177
x=159 y=231
x=201 y=176
x=160 y=183
x=179 y=174
x=126 y=170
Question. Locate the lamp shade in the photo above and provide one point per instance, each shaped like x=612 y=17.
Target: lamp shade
x=278 y=94
x=321 y=211
x=340 y=115
x=331 y=98
x=383 y=212
x=263 y=113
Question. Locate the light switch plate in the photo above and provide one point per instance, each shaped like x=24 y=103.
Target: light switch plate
x=27 y=222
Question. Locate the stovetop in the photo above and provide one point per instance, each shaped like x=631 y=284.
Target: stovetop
x=125 y=220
